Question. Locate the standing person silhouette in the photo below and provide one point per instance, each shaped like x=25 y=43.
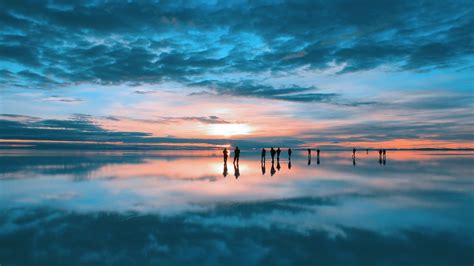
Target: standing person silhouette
x=264 y=153
x=226 y=154
x=278 y=153
x=309 y=156
x=236 y=155
x=289 y=153
x=317 y=152
x=353 y=153
x=272 y=153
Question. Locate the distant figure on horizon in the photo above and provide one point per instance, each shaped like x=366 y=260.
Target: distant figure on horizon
x=384 y=153
x=289 y=153
x=380 y=153
x=272 y=153
x=278 y=153
x=236 y=155
x=226 y=154
x=367 y=151
x=309 y=153
x=317 y=152
x=353 y=153
x=264 y=153
x=236 y=170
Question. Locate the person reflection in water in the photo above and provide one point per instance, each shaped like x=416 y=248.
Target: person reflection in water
x=317 y=156
x=263 y=167
x=264 y=153
x=384 y=152
x=236 y=170
x=225 y=172
x=278 y=153
x=236 y=155
x=272 y=153
x=353 y=160
x=272 y=170
x=278 y=165
x=289 y=157
x=226 y=154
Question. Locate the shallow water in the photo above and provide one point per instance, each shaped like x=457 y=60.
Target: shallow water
x=178 y=207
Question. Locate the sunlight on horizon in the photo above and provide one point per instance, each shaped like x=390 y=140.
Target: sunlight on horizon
x=229 y=130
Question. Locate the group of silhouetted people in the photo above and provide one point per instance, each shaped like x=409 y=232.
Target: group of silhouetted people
x=277 y=152
x=317 y=156
x=274 y=152
x=236 y=162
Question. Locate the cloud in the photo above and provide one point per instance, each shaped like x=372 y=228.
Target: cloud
x=116 y=43
x=56 y=98
x=247 y=88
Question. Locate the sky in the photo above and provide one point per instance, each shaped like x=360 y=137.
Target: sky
x=332 y=74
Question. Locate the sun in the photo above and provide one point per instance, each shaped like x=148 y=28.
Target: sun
x=229 y=130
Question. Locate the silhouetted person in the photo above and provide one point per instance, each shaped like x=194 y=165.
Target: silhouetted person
x=317 y=152
x=367 y=151
x=353 y=153
x=263 y=168
x=272 y=153
x=317 y=160
x=272 y=170
x=278 y=165
x=289 y=164
x=309 y=156
x=264 y=153
x=226 y=154
x=225 y=172
x=236 y=155
x=289 y=153
x=236 y=170
x=380 y=154
x=354 y=160
x=278 y=153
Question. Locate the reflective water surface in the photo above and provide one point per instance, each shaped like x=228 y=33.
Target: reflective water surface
x=188 y=207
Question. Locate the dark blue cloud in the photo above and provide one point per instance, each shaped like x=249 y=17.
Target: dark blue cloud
x=247 y=88
x=137 y=42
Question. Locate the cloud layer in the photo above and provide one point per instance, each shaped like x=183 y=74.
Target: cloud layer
x=54 y=43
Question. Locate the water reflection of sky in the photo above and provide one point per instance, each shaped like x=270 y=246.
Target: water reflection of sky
x=413 y=192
